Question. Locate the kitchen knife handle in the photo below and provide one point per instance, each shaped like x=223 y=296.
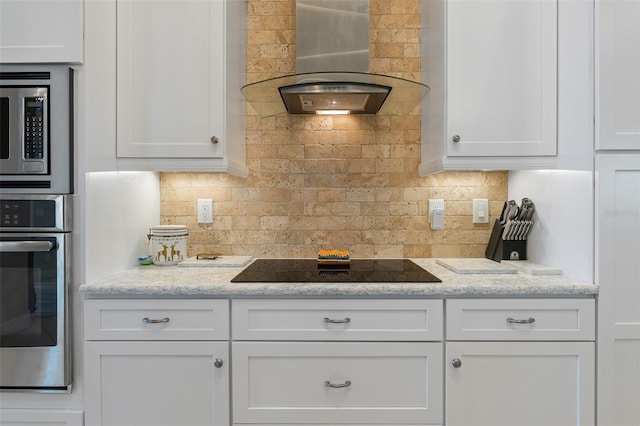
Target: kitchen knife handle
x=332 y=321
x=337 y=385
x=525 y=321
x=155 y=321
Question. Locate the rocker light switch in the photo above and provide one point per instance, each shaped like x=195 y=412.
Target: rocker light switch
x=480 y=210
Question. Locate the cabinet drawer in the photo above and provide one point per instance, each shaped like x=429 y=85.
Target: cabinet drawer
x=337 y=382
x=521 y=319
x=156 y=319
x=397 y=320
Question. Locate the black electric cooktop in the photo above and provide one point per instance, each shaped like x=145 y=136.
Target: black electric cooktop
x=356 y=271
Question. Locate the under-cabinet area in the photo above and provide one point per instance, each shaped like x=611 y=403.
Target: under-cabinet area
x=324 y=361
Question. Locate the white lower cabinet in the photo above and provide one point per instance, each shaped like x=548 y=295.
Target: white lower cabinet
x=337 y=383
x=520 y=383
x=342 y=362
x=156 y=383
x=526 y=362
x=154 y=362
x=337 y=362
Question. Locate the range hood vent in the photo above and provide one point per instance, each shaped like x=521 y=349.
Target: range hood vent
x=333 y=35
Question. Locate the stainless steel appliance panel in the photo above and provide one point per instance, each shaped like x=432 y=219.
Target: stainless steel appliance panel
x=36 y=129
x=34 y=281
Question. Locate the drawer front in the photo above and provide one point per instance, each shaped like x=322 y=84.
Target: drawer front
x=337 y=382
x=157 y=319
x=520 y=319
x=338 y=320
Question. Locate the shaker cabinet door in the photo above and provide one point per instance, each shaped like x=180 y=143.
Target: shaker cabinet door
x=617 y=73
x=170 y=87
x=501 y=78
x=618 y=277
x=520 y=384
x=156 y=383
x=41 y=31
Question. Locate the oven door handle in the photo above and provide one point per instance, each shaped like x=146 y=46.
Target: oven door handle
x=26 y=246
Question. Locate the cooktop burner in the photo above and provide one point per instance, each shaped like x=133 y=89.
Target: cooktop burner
x=356 y=271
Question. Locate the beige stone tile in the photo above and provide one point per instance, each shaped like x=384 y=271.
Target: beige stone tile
x=333 y=166
x=388 y=251
x=345 y=208
x=417 y=251
x=348 y=181
x=361 y=166
x=389 y=165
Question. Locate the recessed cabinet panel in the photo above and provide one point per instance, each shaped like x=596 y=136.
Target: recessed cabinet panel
x=170 y=87
x=156 y=319
x=618 y=274
x=618 y=68
x=41 y=31
x=339 y=383
x=156 y=383
x=502 y=67
x=520 y=383
x=373 y=320
x=521 y=319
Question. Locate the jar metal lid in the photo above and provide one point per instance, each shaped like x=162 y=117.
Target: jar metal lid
x=168 y=230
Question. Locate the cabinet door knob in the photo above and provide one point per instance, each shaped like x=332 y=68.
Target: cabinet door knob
x=456 y=363
x=218 y=363
x=214 y=140
x=456 y=138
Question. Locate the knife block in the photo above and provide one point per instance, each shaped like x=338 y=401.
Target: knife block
x=513 y=249
x=499 y=249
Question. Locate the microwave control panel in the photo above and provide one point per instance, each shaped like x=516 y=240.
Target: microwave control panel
x=34 y=128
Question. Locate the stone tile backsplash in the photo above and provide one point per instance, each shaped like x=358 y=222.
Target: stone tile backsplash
x=343 y=182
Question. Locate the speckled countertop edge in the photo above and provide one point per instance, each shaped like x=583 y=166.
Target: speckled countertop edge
x=176 y=282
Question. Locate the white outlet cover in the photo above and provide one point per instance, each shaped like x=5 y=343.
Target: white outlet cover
x=205 y=210
x=435 y=203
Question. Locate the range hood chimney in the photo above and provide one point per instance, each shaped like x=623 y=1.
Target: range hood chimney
x=332 y=68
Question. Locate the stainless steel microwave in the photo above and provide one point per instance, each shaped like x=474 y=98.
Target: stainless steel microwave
x=36 y=145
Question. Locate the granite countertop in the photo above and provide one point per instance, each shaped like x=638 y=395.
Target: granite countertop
x=215 y=282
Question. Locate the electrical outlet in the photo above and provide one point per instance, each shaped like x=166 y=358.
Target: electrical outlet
x=480 y=210
x=205 y=210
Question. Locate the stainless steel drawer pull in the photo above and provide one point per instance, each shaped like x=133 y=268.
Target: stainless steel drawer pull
x=337 y=385
x=342 y=321
x=154 y=321
x=456 y=362
x=525 y=321
x=218 y=363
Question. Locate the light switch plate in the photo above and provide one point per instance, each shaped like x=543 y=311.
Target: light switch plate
x=480 y=210
x=205 y=210
x=436 y=213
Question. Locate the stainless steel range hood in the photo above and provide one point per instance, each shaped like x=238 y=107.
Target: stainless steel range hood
x=332 y=64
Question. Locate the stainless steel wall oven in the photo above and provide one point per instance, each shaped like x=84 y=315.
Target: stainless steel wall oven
x=35 y=271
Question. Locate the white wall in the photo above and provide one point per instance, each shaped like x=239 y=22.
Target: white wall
x=120 y=207
x=563 y=233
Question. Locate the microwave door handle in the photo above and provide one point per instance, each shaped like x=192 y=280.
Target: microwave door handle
x=26 y=246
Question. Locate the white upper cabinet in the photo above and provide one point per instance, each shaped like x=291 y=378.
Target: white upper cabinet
x=180 y=67
x=618 y=74
x=501 y=65
x=41 y=31
x=493 y=72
